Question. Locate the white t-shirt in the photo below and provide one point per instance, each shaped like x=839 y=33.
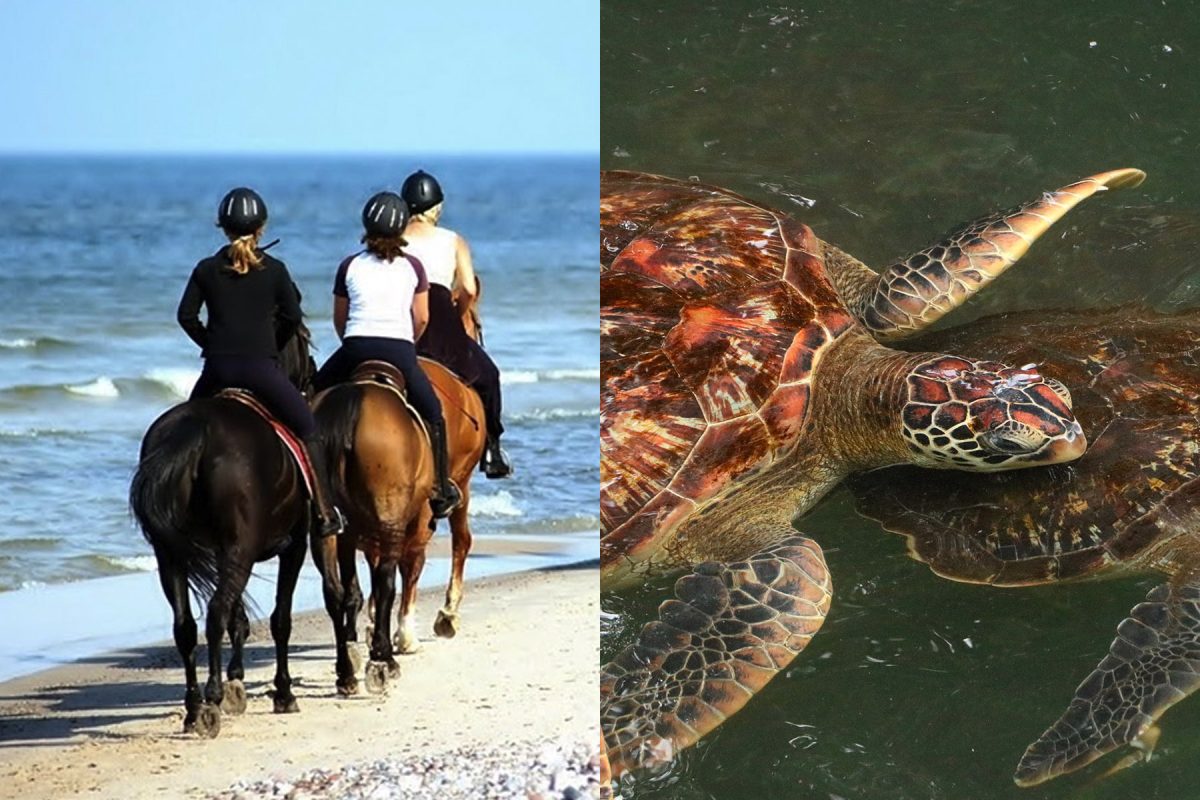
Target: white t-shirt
x=437 y=251
x=380 y=294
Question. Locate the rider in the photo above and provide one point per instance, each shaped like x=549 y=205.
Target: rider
x=447 y=262
x=380 y=307
x=253 y=310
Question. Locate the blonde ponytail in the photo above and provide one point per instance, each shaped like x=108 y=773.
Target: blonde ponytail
x=243 y=252
x=430 y=215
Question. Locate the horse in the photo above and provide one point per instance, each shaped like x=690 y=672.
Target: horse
x=215 y=491
x=466 y=438
x=377 y=454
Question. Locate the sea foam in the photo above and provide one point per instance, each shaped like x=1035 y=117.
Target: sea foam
x=101 y=387
x=500 y=504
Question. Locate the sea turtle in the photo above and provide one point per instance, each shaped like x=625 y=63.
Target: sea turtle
x=1132 y=502
x=741 y=380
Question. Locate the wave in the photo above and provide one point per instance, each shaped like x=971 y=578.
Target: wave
x=101 y=387
x=132 y=563
x=500 y=504
x=174 y=383
x=177 y=380
x=549 y=414
x=536 y=376
x=36 y=344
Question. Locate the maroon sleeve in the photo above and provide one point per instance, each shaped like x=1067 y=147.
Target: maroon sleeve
x=339 y=281
x=419 y=268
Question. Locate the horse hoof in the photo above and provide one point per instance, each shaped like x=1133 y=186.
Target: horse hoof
x=446 y=625
x=393 y=669
x=377 y=677
x=235 y=698
x=208 y=721
x=348 y=688
x=286 y=705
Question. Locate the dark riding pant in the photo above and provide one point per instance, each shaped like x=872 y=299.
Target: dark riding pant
x=266 y=379
x=400 y=353
x=446 y=342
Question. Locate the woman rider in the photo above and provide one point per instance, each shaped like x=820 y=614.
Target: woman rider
x=253 y=311
x=447 y=262
x=380 y=307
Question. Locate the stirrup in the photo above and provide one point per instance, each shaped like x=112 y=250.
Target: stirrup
x=442 y=506
x=333 y=527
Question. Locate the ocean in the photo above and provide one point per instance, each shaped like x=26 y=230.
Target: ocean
x=95 y=252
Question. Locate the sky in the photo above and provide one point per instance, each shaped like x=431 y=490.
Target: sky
x=300 y=76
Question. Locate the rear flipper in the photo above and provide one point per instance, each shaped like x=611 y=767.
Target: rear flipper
x=1152 y=664
x=731 y=630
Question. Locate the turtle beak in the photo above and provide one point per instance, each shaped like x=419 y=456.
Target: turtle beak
x=1070 y=446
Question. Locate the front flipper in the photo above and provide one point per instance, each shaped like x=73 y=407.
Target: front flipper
x=912 y=294
x=731 y=630
x=1152 y=664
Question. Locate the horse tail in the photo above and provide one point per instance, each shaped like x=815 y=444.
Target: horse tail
x=160 y=497
x=337 y=424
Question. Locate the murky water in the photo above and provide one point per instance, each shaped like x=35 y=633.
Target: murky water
x=883 y=127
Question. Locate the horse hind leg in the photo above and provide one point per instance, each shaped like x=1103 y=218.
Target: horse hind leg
x=234 y=701
x=174 y=585
x=412 y=562
x=382 y=665
x=290 y=562
x=231 y=583
x=447 y=622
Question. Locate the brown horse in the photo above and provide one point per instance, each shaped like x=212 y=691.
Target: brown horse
x=378 y=456
x=465 y=439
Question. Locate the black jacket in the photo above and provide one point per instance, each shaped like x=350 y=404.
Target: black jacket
x=248 y=315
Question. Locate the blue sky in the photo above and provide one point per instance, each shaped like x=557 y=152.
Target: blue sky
x=136 y=76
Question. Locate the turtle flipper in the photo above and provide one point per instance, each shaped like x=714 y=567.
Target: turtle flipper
x=1152 y=664
x=914 y=293
x=731 y=630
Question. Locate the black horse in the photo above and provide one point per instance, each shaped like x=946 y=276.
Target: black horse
x=215 y=492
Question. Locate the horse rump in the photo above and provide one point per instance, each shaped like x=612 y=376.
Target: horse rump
x=160 y=497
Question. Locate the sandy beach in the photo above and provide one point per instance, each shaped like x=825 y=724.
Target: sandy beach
x=523 y=669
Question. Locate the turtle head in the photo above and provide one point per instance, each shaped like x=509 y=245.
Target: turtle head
x=985 y=417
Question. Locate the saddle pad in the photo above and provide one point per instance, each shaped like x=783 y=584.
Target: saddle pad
x=293 y=444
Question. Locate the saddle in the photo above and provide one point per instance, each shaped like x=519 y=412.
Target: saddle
x=290 y=442
x=381 y=373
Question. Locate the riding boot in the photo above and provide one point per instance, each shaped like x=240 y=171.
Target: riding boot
x=495 y=463
x=330 y=521
x=446 y=496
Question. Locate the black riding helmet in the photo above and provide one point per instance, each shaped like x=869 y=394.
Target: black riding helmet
x=241 y=212
x=385 y=214
x=421 y=191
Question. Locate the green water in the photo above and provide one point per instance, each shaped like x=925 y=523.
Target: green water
x=898 y=121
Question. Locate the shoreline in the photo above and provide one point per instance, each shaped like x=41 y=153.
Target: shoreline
x=524 y=668
x=53 y=625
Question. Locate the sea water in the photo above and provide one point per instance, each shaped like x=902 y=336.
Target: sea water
x=94 y=255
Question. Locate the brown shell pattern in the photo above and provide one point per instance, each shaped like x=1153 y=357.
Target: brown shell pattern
x=1134 y=378
x=714 y=312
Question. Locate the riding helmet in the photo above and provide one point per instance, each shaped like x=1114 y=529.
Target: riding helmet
x=385 y=214
x=421 y=191
x=242 y=212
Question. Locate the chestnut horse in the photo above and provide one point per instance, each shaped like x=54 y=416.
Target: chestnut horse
x=214 y=492
x=378 y=457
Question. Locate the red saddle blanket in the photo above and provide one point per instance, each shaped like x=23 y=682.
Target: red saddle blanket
x=289 y=439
